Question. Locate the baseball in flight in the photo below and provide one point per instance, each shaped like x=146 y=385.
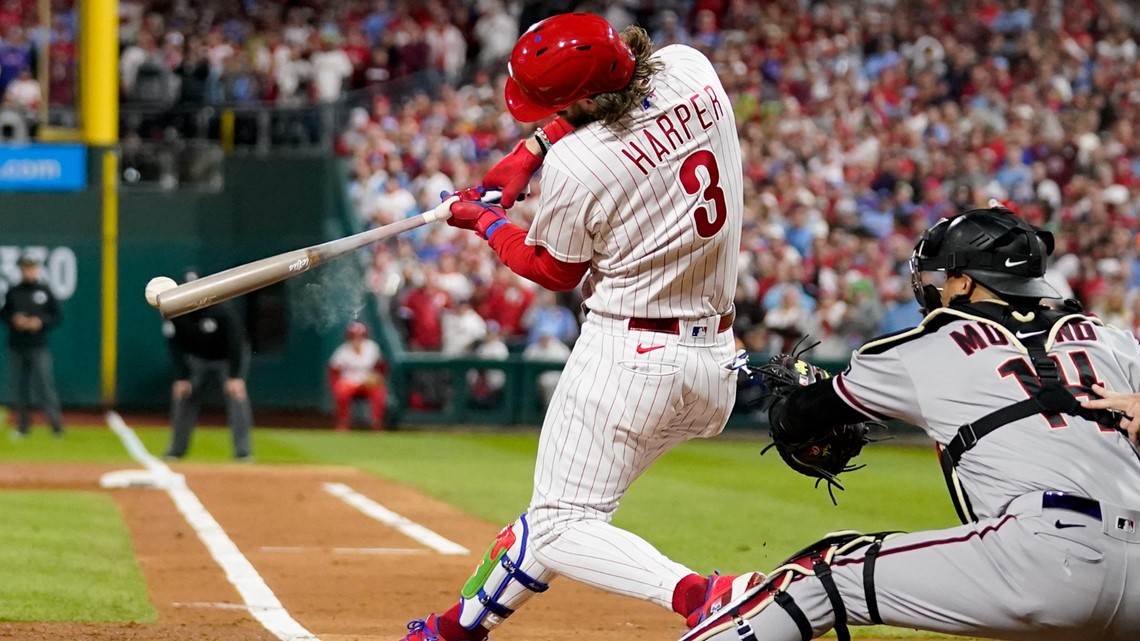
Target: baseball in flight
x=156 y=286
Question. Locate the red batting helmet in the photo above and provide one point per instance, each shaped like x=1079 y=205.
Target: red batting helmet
x=563 y=59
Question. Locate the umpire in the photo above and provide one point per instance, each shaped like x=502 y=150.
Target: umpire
x=30 y=310
x=209 y=343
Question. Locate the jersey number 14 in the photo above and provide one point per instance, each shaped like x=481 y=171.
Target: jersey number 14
x=1022 y=371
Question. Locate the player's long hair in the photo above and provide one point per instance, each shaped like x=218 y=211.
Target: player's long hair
x=610 y=107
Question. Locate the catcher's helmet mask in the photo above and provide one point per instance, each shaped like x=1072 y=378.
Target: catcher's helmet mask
x=995 y=247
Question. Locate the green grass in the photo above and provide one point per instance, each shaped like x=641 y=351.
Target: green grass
x=708 y=504
x=66 y=556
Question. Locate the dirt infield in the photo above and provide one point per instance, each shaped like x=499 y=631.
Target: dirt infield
x=307 y=545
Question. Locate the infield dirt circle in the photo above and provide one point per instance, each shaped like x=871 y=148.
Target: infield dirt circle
x=301 y=540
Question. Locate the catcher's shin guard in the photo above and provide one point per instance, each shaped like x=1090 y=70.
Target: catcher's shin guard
x=813 y=561
x=508 y=576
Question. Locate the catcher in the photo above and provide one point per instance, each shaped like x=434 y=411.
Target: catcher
x=1048 y=490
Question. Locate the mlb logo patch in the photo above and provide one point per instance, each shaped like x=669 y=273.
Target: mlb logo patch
x=700 y=330
x=1128 y=525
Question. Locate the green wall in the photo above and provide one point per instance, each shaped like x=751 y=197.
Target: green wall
x=266 y=206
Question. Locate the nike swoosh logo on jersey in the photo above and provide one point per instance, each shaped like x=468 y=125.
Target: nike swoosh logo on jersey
x=646 y=350
x=1014 y=263
x=1021 y=335
x=1061 y=526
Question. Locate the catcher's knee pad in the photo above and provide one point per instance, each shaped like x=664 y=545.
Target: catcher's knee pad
x=814 y=561
x=507 y=576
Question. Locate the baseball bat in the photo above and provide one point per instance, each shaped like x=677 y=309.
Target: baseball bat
x=233 y=282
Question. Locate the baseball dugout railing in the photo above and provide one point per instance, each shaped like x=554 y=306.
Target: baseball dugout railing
x=429 y=388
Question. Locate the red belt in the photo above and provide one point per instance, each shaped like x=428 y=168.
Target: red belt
x=673 y=325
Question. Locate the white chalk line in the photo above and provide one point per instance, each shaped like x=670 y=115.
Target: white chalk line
x=363 y=551
x=206 y=604
x=258 y=598
x=401 y=524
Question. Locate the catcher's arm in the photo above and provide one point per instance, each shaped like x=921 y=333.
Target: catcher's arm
x=814 y=430
x=811 y=411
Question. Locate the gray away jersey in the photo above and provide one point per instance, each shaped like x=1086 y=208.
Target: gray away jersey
x=951 y=371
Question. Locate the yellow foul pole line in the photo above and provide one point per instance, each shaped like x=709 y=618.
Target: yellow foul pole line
x=99 y=113
x=109 y=350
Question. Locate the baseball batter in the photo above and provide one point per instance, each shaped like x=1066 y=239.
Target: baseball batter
x=1049 y=491
x=642 y=197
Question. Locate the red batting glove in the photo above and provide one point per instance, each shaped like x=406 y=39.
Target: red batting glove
x=477 y=216
x=511 y=175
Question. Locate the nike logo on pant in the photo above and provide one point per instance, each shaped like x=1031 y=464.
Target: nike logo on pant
x=644 y=350
x=1061 y=526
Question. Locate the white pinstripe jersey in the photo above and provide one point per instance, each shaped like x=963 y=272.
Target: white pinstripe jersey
x=654 y=203
x=955 y=368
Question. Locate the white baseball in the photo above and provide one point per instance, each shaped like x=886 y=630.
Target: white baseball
x=156 y=286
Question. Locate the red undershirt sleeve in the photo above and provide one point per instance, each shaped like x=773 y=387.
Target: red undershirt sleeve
x=534 y=263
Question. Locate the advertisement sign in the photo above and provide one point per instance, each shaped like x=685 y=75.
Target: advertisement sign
x=43 y=167
x=60 y=268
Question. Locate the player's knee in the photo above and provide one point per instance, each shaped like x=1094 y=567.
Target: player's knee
x=810 y=571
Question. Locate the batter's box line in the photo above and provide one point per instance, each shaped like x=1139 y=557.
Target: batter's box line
x=401 y=524
x=258 y=598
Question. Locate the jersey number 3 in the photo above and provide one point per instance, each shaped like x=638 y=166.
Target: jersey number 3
x=708 y=224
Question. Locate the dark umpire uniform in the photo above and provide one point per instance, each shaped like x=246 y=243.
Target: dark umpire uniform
x=209 y=343
x=30 y=310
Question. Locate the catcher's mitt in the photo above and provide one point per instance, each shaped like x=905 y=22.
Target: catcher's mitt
x=821 y=455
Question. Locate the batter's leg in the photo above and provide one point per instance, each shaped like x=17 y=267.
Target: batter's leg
x=614 y=412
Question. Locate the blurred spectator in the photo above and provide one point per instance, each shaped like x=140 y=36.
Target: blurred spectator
x=486 y=385
x=331 y=68
x=790 y=320
x=546 y=317
x=463 y=327
x=23 y=92
x=901 y=311
x=356 y=370
x=15 y=55
x=505 y=301
x=446 y=45
x=496 y=32
x=547 y=349
x=422 y=311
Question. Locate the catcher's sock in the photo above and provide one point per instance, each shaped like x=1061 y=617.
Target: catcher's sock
x=451 y=630
x=690 y=594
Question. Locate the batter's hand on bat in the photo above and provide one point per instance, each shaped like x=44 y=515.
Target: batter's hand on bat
x=1126 y=403
x=470 y=212
x=512 y=173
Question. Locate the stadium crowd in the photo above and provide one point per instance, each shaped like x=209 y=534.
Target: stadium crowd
x=862 y=122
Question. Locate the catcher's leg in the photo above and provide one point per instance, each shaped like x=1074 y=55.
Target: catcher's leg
x=1011 y=577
